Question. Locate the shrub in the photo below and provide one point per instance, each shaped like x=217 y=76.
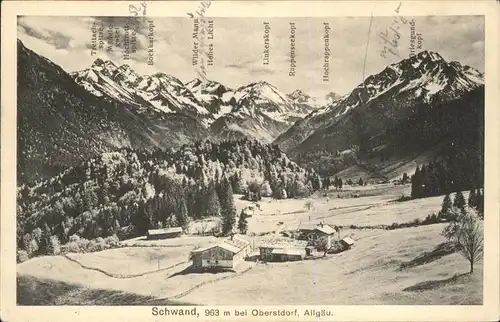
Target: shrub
x=32 y=247
x=309 y=205
x=22 y=256
x=83 y=244
x=95 y=246
x=71 y=247
x=112 y=240
x=74 y=238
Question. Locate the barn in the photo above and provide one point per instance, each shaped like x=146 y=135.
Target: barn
x=282 y=251
x=288 y=254
x=164 y=233
x=227 y=254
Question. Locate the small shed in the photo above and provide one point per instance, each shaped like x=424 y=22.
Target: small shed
x=347 y=242
x=164 y=233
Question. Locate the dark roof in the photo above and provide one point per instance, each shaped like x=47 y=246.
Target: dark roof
x=234 y=245
x=165 y=231
x=324 y=228
x=327 y=229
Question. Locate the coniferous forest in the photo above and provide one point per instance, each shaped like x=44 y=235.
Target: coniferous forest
x=459 y=172
x=127 y=192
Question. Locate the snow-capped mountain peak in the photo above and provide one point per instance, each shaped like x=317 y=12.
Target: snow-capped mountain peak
x=160 y=91
x=424 y=79
x=425 y=76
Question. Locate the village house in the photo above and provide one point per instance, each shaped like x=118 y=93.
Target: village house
x=164 y=233
x=312 y=232
x=227 y=254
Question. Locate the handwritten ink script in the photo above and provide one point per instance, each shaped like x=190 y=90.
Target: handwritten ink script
x=391 y=36
x=203 y=35
x=138 y=10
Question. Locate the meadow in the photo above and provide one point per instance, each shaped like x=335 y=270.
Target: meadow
x=400 y=266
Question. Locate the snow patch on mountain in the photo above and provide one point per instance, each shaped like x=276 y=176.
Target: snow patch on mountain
x=161 y=92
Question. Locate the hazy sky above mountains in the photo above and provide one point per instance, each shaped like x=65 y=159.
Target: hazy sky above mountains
x=239 y=46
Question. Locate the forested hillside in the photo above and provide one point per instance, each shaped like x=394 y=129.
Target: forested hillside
x=130 y=191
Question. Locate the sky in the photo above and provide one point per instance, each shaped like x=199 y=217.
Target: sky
x=238 y=45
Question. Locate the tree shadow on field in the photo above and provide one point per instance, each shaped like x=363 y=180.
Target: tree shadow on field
x=431 y=285
x=193 y=270
x=38 y=291
x=439 y=251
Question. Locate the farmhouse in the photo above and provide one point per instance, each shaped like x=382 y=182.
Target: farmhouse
x=227 y=254
x=164 y=233
x=312 y=232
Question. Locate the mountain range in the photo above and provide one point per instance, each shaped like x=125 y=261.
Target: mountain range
x=64 y=118
x=258 y=110
x=62 y=124
x=367 y=122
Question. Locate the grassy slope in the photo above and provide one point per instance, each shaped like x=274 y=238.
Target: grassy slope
x=366 y=274
x=133 y=260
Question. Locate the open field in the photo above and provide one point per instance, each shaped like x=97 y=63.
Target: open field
x=134 y=260
x=367 y=274
x=383 y=267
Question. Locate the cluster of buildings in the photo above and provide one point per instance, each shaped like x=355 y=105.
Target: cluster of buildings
x=292 y=246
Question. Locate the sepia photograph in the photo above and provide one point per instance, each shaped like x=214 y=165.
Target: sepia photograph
x=198 y=160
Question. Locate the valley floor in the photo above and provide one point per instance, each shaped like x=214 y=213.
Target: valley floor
x=383 y=267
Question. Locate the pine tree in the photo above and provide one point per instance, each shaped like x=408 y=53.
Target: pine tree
x=459 y=201
x=480 y=202
x=415 y=184
x=44 y=247
x=472 y=201
x=182 y=214
x=212 y=205
x=447 y=204
x=228 y=209
x=242 y=223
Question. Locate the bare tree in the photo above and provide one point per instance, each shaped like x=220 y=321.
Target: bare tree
x=466 y=232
